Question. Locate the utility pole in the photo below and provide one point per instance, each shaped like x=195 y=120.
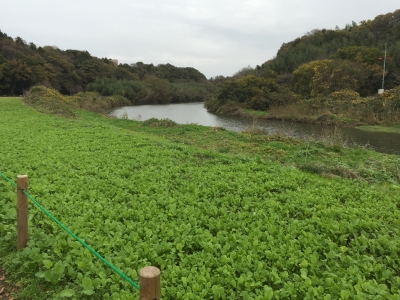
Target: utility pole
x=384 y=69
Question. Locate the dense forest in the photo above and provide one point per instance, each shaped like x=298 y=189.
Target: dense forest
x=23 y=65
x=322 y=65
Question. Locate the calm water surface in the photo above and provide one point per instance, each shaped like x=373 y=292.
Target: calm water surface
x=187 y=113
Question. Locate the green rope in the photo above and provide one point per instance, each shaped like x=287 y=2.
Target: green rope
x=8 y=179
x=76 y=237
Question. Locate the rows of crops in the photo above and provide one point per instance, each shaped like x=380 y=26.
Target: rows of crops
x=218 y=226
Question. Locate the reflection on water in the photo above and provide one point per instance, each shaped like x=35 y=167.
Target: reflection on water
x=187 y=113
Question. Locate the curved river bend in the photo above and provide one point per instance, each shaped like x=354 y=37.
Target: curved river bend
x=187 y=113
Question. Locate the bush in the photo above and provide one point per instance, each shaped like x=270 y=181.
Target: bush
x=154 y=122
x=283 y=97
x=134 y=91
x=248 y=91
x=344 y=96
x=337 y=102
x=188 y=92
x=391 y=100
x=157 y=91
x=92 y=101
x=391 y=105
x=50 y=100
x=258 y=103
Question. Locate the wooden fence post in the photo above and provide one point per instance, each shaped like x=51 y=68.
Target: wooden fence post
x=22 y=211
x=149 y=283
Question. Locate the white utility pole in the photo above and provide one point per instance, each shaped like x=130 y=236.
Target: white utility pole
x=380 y=91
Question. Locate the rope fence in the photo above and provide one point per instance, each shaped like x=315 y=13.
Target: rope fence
x=8 y=179
x=149 y=277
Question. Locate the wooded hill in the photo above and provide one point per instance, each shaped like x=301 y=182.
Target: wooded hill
x=24 y=65
x=319 y=44
x=321 y=62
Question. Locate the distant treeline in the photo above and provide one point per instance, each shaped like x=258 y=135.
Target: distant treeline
x=24 y=65
x=152 y=90
x=320 y=63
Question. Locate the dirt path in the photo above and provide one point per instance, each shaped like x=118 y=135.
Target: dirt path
x=6 y=289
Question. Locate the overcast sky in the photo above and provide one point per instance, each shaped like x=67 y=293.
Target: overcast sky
x=217 y=37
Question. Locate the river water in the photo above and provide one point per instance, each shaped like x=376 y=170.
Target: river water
x=187 y=113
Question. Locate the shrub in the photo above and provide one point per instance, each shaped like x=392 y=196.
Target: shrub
x=339 y=101
x=391 y=99
x=154 y=122
x=391 y=105
x=134 y=91
x=50 y=100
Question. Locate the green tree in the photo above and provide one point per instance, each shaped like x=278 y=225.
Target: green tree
x=4 y=78
x=337 y=75
x=368 y=55
x=323 y=77
x=20 y=76
x=248 y=91
x=158 y=90
x=303 y=75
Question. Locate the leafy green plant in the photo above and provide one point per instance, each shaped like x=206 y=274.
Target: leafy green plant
x=237 y=225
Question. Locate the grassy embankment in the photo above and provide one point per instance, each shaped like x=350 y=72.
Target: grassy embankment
x=223 y=214
x=342 y=108
x=303 y=113
x=394 y=128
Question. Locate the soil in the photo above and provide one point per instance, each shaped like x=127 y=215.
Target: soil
x=6 y=289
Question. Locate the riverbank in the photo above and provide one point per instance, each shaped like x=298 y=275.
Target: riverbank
x=293 y=115
x=205 y=191
x=377 y=128
x=328 y=154
x=324 y=118
x=341 y=108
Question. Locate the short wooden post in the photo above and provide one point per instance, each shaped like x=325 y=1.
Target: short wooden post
x=149 y=283
x=22 y=211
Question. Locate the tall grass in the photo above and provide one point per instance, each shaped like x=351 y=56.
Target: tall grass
x=51 y=101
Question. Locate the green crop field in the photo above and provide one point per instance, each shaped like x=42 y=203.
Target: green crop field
x=218 y=225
